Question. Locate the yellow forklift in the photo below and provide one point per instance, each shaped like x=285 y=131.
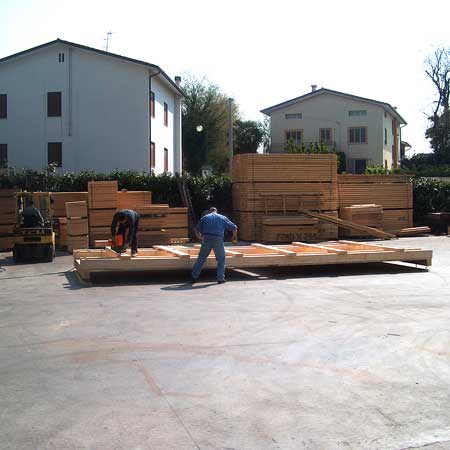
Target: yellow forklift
x=34 y=238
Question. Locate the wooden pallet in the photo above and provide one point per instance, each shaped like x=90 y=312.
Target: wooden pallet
x=160 y=257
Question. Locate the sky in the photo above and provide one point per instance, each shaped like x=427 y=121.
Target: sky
x=259 y=52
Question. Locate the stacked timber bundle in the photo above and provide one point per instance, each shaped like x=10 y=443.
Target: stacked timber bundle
x=176 y=225
x=61 y=198
x=102 y=201
x=368 y=215
x=77 y=225
x=269 y=189
x=60 y=229
x=151 y=225
x=7 y=218
x=133 y=199
x=393 y=192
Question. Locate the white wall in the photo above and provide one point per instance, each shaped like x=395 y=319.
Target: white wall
x=105 y=111
x=331 y=111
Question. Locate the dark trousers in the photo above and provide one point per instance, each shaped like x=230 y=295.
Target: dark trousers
x=132 y=234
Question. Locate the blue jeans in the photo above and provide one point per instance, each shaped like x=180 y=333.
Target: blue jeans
x=211 y=243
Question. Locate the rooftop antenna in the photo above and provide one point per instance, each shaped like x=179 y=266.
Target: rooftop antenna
x=108 y=37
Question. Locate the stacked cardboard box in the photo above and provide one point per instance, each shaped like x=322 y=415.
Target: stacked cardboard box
x=102 y=201
x=269 y=189
x=7 y=218
x=77 y=225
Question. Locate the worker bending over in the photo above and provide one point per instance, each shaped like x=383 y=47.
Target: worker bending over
x=210 y=230
x=31 y=217
x=127 y=222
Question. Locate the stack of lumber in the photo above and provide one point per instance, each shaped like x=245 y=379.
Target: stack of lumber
x=7 y=218
x=133 y=199
x=77 y=225
x=393 y=192
x=267 y=188
x=60 y=229
x=102 y=202
x=151 y=225
x=61 y=198
x=369 y=215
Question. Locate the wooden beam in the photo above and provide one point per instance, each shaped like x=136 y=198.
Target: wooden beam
x=321 y=247
x=272 y=248
x=346 y=224
x=232 y=253
x=363 y=246
x=172 y=251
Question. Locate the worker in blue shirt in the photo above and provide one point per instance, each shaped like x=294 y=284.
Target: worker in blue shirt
x=210 y=230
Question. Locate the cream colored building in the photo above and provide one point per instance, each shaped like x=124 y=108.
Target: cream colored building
x=367 y=131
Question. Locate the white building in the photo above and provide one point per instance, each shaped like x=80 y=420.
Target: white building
x=87 y=109
x=367 y=131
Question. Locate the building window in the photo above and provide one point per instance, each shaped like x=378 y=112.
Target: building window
x=54 y=104
x=61 y=57
x=293 y=116
x=385 y=164
x=325 y=135
x=152 y=155
x=293 y=135
x=357 y=113
x=3 y=156
x=55 y=154
x=166 y=115
x=3 y=106
x=385 y=136
x=152 y=104
x=166 y=160
x=357 y=135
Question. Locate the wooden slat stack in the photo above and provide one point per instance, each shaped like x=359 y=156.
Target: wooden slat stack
x=77 y=225
x=102 y=202
x=60 y=229
x=151 y=225
x=133 y=199
x=393 y=192
x=61 y=198
x=7 y=218
x=268 y=187
x=368 y=215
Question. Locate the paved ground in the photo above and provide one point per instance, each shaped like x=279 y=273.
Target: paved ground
x=353 y=358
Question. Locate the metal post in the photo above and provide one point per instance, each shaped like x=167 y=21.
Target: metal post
x=230 y=133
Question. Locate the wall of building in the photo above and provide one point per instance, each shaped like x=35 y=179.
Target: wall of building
x=105 y=123
x=331 y=111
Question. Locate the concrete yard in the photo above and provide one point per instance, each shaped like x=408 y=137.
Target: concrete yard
x=331 y=358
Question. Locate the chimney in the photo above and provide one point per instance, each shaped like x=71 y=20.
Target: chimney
x=178 y=80
x=313 y=87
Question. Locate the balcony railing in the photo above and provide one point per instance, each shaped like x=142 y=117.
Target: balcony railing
x=281 y=146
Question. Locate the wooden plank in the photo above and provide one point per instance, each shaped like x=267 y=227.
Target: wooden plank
x=172 y=251
x=275 y=249
x=321 y=247
x=232 y=253
x=413 y=231
x=350 y=225
x=365 y=246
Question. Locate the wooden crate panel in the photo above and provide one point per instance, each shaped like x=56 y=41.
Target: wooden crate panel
x=61 y=198
x=8 y=218
x=96 y=233
x=153 y=210
x=102 y=194
x=388 y=195
x=284 y=167
x=250 y=226
x=101 y=217
x=77 y=227
x=151 y=223
x=251 y=196
x=396 y=219
x=7 y=192
x=133 y=199
x=77 y=242
x=147 y=239
x=288 y=233
x=76 y=209
x=177 y=218
x=364 y=179
x=7 y=229
x=6 y=242
x=177 y=232
x=368 y=215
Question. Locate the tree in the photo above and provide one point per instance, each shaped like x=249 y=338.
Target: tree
x=438 y=70
x=248 y=135
x=205 y=126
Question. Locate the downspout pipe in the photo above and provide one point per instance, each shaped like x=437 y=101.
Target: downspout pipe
x=150 y=114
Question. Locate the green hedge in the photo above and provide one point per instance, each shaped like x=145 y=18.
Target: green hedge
x=430 y=196
x=205 y=192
